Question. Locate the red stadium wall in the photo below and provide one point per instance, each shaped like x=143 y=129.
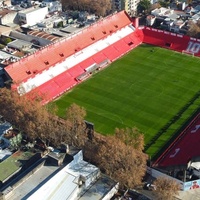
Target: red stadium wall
x=171 y=41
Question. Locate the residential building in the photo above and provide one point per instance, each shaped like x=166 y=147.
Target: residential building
x=118 y=4
x=33 y=15
x=131 y=6
x=62 y=175
x=8 y=16
x=52 y=5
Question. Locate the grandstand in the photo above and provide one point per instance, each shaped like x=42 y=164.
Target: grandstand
x=181 y=152
x=58 y=67
x=172 y=41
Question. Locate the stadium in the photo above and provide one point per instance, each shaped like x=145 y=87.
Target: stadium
x=150 y=80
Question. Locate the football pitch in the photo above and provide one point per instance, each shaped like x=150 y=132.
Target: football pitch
x=145 y=89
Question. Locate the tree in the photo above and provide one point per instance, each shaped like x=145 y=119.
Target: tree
x=144 y=6
x=7 y=40
x=132 y=137
x=194 y=29
x=99 y=7
x=121 y=162
x=155 y=5
x=119 y=156
x=76 y=126
x=166 y=188
x=29 y=116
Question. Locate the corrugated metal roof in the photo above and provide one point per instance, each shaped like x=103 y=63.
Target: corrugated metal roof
x=19 y=44
x=36 y=62
x=65 y=184
x=61 y=187
x=42 y=34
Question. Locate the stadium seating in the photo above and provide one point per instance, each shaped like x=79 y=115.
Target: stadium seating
x=48 y=90
x=99 y=57
x=58 y=65
x=111 y=53
x=86 y=63
x=180 y=152
x=75 y=71
x=61 y=79
x=55 y=87
x=57 y=52
x=83 y=58
x=166 y=39
x=121 y=46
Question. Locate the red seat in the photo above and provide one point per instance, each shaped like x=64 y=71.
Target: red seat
x=75 y=71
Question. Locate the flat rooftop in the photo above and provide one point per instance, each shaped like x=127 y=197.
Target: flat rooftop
x=13 y=164
x=28 y=187
x=20 y=44
x=29 y=10
x=70 y=29
x=99 y=189
x=64 y=185
x=4 y=126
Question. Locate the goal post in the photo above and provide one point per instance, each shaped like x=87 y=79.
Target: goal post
x=187 y=53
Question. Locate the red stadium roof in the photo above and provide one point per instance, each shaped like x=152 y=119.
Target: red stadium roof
x=44 y=58
x=184 y=148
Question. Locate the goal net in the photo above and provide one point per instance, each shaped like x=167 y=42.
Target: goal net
x=188 y=53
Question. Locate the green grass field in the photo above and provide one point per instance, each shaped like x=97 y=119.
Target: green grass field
x=144 y=88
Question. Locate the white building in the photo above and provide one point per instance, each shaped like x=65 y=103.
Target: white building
x=78 y=180
x=8 y=16
x=162 y=12
x=33 y=15
x=53 y=6
x=131 y=6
